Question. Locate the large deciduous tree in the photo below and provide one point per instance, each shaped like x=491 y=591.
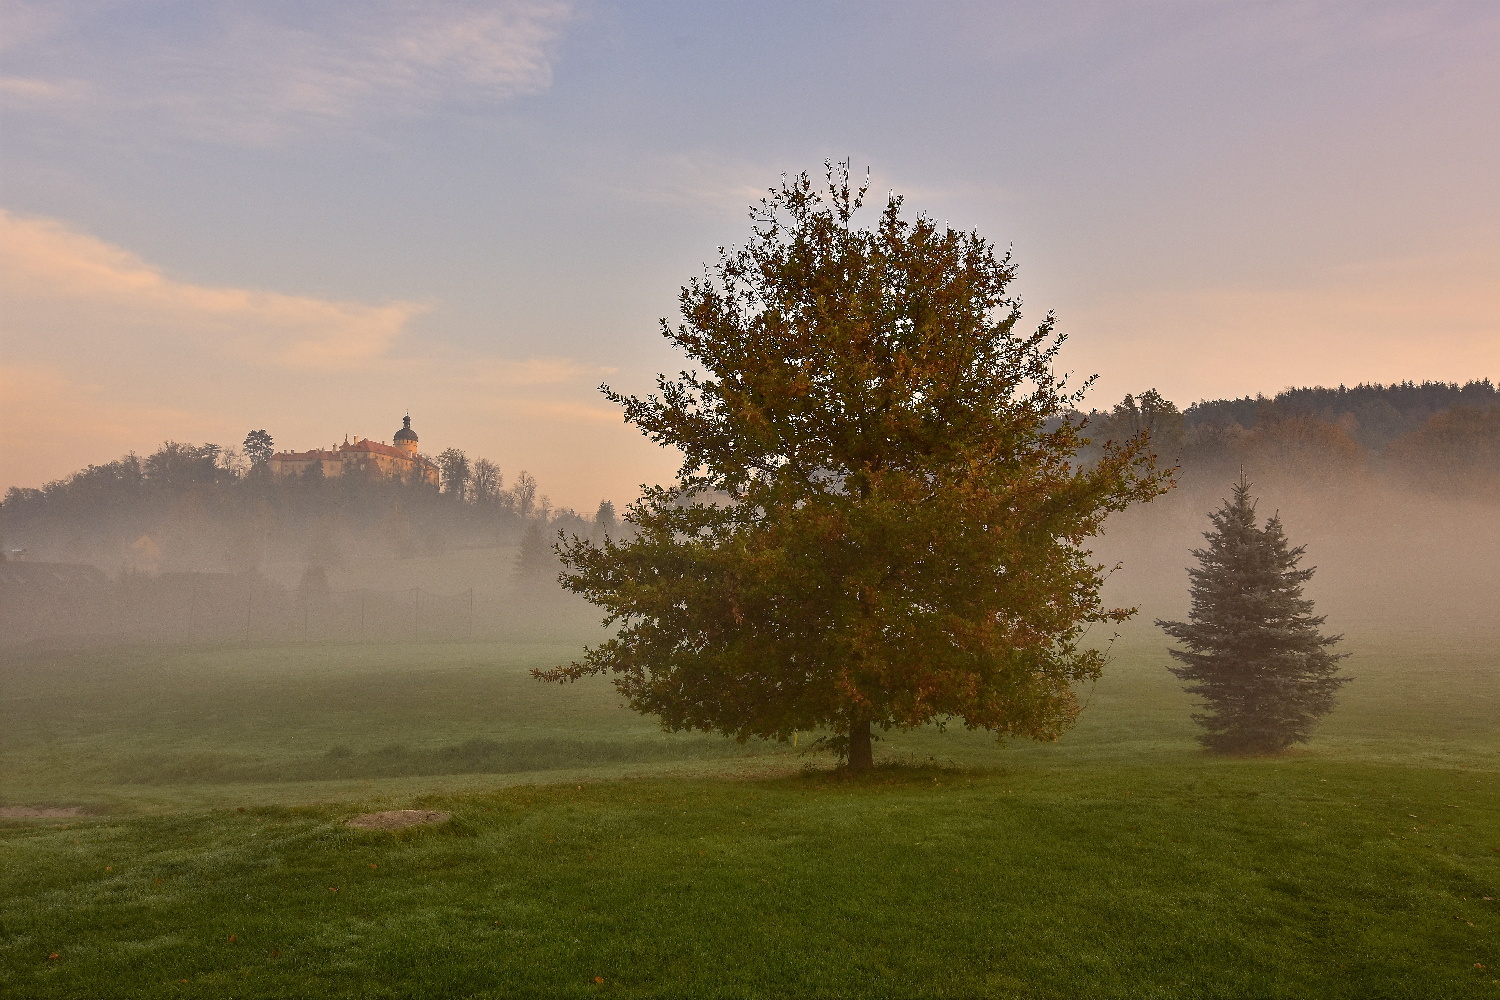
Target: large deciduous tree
x=1255 y=651
x=877 y=522
x=258 y=448
x=453 y=468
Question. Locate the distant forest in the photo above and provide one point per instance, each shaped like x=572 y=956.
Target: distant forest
x=195 y=508
x=1437 y=437
x=207 y=508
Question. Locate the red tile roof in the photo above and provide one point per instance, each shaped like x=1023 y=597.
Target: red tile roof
x=375 y=447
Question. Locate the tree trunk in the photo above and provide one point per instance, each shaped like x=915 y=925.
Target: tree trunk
x=861 y=756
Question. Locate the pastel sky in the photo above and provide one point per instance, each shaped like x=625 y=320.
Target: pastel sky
x=313 y=217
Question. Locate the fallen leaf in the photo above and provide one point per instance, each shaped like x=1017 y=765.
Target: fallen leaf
x=53 y=956
x=231 y=939
x=333 y=888
x=598 y=979
x=373 y=865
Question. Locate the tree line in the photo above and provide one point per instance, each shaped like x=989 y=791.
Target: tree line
x=209 y=507
x=1441 y=437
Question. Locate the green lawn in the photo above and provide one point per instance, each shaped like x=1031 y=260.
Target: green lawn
x=1120 y=862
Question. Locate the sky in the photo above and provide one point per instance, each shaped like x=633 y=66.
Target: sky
x=315 y=217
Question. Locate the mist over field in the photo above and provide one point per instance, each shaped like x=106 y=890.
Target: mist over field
x=1394 y=491
x=1390 y=559
x=931 y=337
x=1400 y=513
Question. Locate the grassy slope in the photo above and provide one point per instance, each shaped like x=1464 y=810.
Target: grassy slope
x=1120 y=862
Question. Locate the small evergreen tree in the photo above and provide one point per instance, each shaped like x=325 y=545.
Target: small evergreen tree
x=1254 y=650
x=606 y=522
x=536 y=563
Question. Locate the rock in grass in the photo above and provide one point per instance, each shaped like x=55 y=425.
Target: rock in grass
x=397 y=819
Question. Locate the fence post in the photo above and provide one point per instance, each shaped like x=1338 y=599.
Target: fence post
x=471 y=614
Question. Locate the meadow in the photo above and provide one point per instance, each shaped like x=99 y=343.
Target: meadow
x=590 y=854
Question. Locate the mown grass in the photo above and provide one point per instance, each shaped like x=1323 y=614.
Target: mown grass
x=1121 y=862
x=127 y=728
x=1254 y=878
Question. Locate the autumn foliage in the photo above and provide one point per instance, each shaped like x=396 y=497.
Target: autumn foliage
x=878 y=521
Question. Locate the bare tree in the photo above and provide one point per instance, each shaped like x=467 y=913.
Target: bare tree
x=525 y=493
x=486 y=482
x=233 y=461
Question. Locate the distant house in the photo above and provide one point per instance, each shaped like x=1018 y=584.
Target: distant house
x=399 y=460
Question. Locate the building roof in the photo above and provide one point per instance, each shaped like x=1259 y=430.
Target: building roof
x=305 y=456
x=376 y=448
x=406 y=433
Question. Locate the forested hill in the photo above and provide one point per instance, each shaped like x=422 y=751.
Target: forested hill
x=1375 y=415
x=1433 y=437
x=204 y=508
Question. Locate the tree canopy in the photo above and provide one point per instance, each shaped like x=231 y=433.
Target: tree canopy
x=259 y=448
x=878 y=520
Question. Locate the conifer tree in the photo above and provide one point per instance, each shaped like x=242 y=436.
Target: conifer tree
x=1255 y=652
x=535 y=561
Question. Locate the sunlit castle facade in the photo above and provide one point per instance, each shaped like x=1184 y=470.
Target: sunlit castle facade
x=398 y=460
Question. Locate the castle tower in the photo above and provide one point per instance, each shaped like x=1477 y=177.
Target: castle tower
x=406 y=438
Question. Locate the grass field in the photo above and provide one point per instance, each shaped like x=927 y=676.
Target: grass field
x=592 y=855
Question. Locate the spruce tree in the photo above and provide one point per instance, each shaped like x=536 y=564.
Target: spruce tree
x=1255 y=652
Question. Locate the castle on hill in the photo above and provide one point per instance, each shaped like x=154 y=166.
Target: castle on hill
x=398 y=460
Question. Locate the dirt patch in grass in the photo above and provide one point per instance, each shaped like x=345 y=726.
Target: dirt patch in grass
x=39 y=812
x=397 y=819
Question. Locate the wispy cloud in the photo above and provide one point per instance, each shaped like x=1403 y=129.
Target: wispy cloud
x=256 y=73
x=106 y=352
x=503 y=373
x=54 y=278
